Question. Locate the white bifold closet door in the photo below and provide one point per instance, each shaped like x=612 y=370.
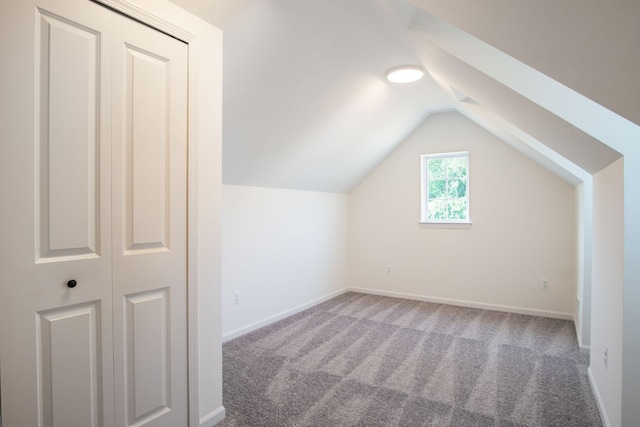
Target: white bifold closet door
x=93 y=302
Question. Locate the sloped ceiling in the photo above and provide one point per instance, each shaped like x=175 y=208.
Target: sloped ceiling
x=306 y=104
x=590 y=46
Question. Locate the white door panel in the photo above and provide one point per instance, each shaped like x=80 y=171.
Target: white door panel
x=149 y=243
x=146 y=347
x=55 y=341
x=99 y=199
x=66 y=402
x=145 y=113
x=68 y=96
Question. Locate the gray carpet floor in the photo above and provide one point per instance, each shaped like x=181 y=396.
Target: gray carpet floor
x=365 y=360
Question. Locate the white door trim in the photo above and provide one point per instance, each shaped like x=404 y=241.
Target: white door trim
x=204 y=191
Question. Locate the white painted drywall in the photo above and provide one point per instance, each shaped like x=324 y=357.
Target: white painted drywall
x=281 y=249
x=631 y=337
x=584 y=226
x=575 y=42
x=580 y=249
x=523 y=226
x=607 y=289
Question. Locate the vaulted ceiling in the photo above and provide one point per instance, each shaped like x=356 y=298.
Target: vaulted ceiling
x=306 y=104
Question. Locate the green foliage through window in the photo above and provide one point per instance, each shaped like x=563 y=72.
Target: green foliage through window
x=447 y=197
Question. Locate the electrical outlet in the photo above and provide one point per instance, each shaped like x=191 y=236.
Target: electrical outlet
x=606 y=357
x=236 y=298
x=544 y=284
x=388 y=268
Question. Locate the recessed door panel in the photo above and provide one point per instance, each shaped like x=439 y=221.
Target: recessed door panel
x=148 y=370
x=69 y=354
x=147 y=90
x=68 y=100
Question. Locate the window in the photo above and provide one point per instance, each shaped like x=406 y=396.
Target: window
x=445 y=188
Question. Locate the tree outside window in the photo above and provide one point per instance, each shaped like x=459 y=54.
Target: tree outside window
x=445 y=187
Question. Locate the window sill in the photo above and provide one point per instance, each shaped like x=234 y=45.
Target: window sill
x=431 y=224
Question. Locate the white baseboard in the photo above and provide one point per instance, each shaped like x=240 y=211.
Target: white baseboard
x=596 y=393
x=505 y=308
x=584 y=349
x=264 y=322
x=213 y=417
x=471 y=304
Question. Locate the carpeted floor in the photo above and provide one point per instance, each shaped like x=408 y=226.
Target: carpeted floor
x=365 y=360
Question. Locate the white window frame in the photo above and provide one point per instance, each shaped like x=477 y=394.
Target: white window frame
x=424 y=192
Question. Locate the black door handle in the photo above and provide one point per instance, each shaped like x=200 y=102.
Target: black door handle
x=72 y=283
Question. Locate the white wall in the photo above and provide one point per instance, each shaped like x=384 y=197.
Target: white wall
x=580 y=269
x=523 y=227
x=631 y=337
x=575 y=42
x=281 y=249
x=584 y=244
x=607 y=289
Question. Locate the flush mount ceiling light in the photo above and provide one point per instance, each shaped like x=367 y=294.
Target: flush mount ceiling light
x=406 y=74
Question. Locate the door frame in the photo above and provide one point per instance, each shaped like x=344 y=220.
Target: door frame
x=204 y=183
